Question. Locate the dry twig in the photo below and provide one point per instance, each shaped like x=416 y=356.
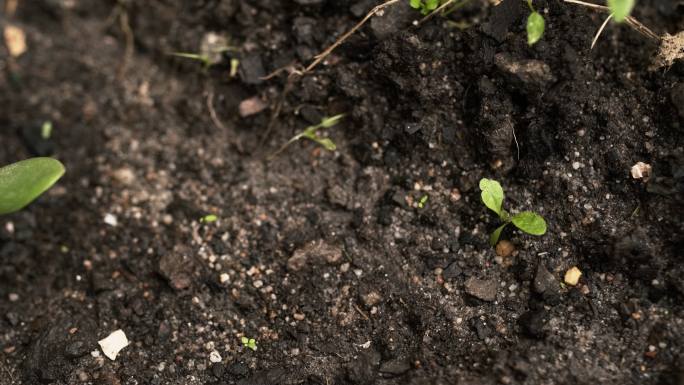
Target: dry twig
x=631 y=21
x=321 y=56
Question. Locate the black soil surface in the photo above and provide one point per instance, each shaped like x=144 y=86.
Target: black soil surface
x=325 y=258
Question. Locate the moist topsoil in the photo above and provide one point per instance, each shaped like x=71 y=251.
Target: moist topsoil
x=328 y=259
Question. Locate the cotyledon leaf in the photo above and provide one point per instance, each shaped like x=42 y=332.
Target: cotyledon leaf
x=26 y=180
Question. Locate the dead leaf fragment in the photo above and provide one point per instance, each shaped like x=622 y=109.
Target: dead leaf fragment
x=671 y=49
x=15 y=39
x=642 y=171
x=251 y=106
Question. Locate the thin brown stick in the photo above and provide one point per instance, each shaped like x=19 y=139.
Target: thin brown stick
x=321 y=56
x=439 y=9
x=631 y=21
x=212 y=112
x=130 y=41
x=291 y=69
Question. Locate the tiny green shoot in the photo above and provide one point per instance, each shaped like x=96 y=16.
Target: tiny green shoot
x=24 y=181
x=425 y=6
x=206 y=59
x=249 y=343
x=621 y=9
x=535 y=25
x=311 y=133
x=234 y=65
x=46 y=130
x=493 y=196
x=208 y=218
x=423 y=200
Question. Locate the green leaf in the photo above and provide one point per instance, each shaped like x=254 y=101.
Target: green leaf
x=327 y=143
x=209 y=218
x=621 y=9
x=24 y=181
x=535 y=27
x=494 y=238
x=331 y=121
x=529 y=222
x=492 y=194
x=415 y=4
x=46 y=130
x=431 y=5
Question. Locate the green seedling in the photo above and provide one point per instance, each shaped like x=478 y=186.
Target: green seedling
x=445 y=6
x=209 y=218
x=24 y=181
x=234 y=65
x=249 y=343
x=535 y=25
x=204 y=59
x=621 y=9
x=208 y=59
x=425 y=6
x=46 y=130
x=527 y=221
x=311 y=133
x=423 y=200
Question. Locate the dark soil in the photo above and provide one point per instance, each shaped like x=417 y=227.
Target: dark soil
x=325 y=257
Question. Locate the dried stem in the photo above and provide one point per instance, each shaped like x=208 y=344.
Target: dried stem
x=631 y=21
x=321 y=56
x=598 y=33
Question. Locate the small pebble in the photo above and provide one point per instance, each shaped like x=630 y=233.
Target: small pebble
x=112 y=345
x=572 y=276
x=224 y=277
x=505 y=248
x=110 y=219
x=215 y=357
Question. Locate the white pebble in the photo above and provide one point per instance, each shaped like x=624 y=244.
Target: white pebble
x=215 y=357
x=224 y=277
x=112 y=345
x=110 y=219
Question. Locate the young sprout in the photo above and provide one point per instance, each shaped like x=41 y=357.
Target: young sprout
x=535 y=25
x=24 y=181
x=207 y=59
x=621 y=9
x=46 y=130
x=208 y=218
x=425 y=6
x=249 y=343
x=527 y=221
x=311 y=133
x=234 y=64
x=204 y=59
x=423 y=200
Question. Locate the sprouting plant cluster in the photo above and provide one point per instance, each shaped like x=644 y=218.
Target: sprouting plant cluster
x=24 y=181
x=527 y=221
x=425 y=6
x=311 y=133
x=535 y=26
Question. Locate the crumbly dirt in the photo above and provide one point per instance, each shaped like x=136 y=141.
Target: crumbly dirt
x=327 y=259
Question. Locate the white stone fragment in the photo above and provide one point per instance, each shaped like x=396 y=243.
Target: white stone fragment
x=112 y=345
x=641 y=170
x=110 y=219
x=215 y=357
